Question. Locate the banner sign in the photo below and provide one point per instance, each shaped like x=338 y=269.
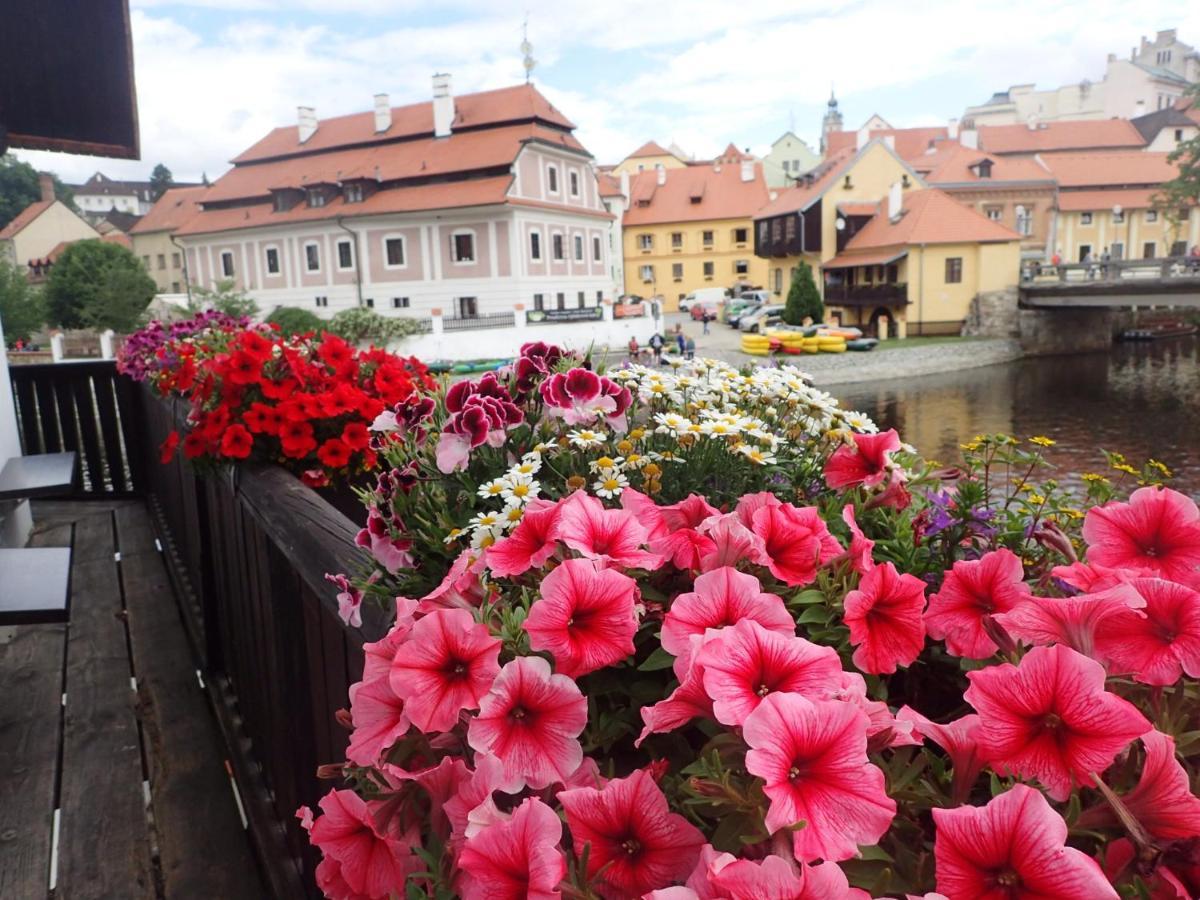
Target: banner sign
x=585 y=314
x=628 y=310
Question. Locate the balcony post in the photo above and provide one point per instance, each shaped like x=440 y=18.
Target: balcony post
x=519 y=319
x=435 y=321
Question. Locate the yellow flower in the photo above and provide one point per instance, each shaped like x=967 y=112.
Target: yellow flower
x=453 y=535
x=1037 y=499
x=1159 y=467
x=576 y=482
x=624 y=447
x=971 y=446
x=651 y=470
x=605 y=462
x=637 y=434
x=1042 y=441
x=1126 y=468
x=1094 y=478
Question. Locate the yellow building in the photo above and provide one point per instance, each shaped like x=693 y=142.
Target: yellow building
x=920 y=261
x=691 y=228
x=647 y=158
x=40 y=229
x=802 y=222
x=152 y=238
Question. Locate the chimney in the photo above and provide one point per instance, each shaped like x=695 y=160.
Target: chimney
x=443 y=105
x=890 y=140
x=952 y=130
x=969 y=137
x=1031 y=123
x=306 y=118
x=895 y=199
x=862 y=138
x=46 y=183
x=383 y=113
x=747 y=170
x=661 y=176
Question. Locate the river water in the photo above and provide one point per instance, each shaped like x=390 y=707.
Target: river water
x=1140 y=399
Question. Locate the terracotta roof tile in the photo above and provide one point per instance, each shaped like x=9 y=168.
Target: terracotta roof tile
x=521 y=103
x=930 y=217
x=1050 y=136
x=1098 y=200
x=23 y=218
x=173 y=208
x=954 y=163
x=858 y=208
x=1112 y=167
x=722 y=195
x=609 y=186
x=650 y=148
x=849 y=260
x=800 y=196
x=909 y=141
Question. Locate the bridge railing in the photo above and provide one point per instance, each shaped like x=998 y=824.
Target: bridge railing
x=1165 y=267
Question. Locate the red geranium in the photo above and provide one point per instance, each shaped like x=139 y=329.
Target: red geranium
x=334 y=453
x=166 y=452
x=237 y=442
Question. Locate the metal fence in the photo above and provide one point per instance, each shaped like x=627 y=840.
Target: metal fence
x=473 y=323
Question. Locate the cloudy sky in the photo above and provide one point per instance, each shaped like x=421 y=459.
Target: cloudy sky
x=215 y=75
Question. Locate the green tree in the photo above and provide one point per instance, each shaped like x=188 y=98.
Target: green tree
x=22 y=311
x=360 y=324
x=223 y=297
x=1176 y=197
x=19 y=187
x=803 y=299
x=160 y=179
x=95 y=284
x=293 y=320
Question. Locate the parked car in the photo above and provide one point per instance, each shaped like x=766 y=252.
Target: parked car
x=758 y=296
x=704 y=308
x=739 y=307
x=757 y=321
x=715 y=296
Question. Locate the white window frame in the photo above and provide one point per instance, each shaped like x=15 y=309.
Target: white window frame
x=353 y=193
x=573 y=184
x=229 y=271
x=403 y=239
x=267 y=261
x=1086 y=219
x=553 y=185
x=1151 y=216
x=646 y=242
x=307 y=260
x=454 y=235
x=646 y=272
x=540 y=256
x=337 y=254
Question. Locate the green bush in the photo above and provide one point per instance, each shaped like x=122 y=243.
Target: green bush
x=361 y=324
x=224 y=297
x=22 y=310
x=293 y=320
x=803 y=299
x=94 y=284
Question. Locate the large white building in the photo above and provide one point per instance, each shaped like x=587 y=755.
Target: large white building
x=1154 y=77
x=101 y=194
x=472 y=205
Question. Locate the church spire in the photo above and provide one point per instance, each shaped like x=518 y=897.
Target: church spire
x=832 y=120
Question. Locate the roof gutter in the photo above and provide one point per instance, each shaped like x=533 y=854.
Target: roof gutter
x=357 y=258
x=187 y=279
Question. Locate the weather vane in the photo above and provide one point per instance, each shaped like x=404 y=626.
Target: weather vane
x=527 y=50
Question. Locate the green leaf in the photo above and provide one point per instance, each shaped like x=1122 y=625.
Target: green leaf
x=813 y=615
x=808 y=598
x=659 y=659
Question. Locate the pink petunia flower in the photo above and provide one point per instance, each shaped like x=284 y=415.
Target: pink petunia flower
x=1012 y=849
x=749 y=504
x=960 y=740
x=688 y=701
x=1091 y=578
x=368 y=863
x=974 y=589
x=690 y=512
x=379 y=721
x=518 y=859
x=732 y=542
x=1068 y=620
x=1163 y=801
x=746 y=663
x=447 y=665
x=722 y=597
x=1158 y=642
x=531 y=721
x=776 y=878
x=686 y=549
x=472 y=806
x=865 y=463
x=580 y=396
x=1050 y=718
x=462 y=588
x=861 y=547
x=390 y=552
x=796 y=542
x=441 y=783
x=884 y=618
x=586 y=617
x=813 y=758
x=604 y=534
x=531 y=543
x=379 y=654
x=638 y=843
x=1158 y=529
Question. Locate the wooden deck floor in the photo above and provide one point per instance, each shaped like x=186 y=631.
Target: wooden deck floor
x=112 y=775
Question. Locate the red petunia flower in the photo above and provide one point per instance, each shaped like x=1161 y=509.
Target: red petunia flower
x=531 y=721
x=530 y=544
x=518 y=859
x=1050 y=718
x=296 y=439
x=166 y=452
x=813 y=758
x=638 y=843
x=746 y=663
x=261 y=418
x=334 y=351
x=242 y=368
x=732 y=542
x=604 y=534
x=1012 y=849
x=796 y=542
x=884 y=618
x=775 y=878
x=1158 y=642
x=334 y=453
x=861 y=546
x=1068 y=620
x=974 y=589
x=378 y=718
x=1158 y=529
x=446 y=665
x=369 y=863
x=959 y=739
x=194 y=444
x=585 y=617
x=1163 y=801
x=722 y=597
x=865 y=463
x=237 y=442
x=356 y=436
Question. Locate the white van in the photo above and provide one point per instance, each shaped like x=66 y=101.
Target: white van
x=703 y=295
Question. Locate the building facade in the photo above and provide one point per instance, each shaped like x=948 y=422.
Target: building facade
x=691 y=228
x=614 y=194
x=99 y=194
x=473 y=205
x=790 y=157
x=154 y=242
x=40 y=228
x=648 y=157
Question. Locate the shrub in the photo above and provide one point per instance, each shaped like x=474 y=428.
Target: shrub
x=293 y=320
x=95 y=284
x=224 y=297
x=803 y=299
x=22 y=308
x=360 y=324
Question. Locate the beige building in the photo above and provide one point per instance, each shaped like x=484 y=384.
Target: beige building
x=648 y=157
x=29 y=239
x=152 y=238
x=790 y=157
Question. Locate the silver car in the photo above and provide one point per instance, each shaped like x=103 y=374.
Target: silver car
x=754 y=321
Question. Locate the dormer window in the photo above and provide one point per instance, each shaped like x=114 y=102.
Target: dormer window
x=984 y=168
x=316 y=197
x=353 y=193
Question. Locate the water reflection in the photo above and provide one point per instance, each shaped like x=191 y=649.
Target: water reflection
x=1142 y=400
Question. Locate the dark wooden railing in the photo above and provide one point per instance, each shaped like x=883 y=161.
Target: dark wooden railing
x=248 y=550
x=865 y=294
x=85 y=407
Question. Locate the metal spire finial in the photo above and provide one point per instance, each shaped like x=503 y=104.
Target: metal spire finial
x=527 y=49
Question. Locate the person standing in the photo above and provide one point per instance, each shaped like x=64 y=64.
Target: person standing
x=656 y=344
x=691 y=348
x=706 y=318
x=680 y=341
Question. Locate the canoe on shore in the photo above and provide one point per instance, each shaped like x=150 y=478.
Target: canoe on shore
x=862 y=344
x=1159 y=330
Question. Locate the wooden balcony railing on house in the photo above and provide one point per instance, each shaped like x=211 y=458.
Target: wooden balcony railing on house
x=866 y=294
x=247 y=550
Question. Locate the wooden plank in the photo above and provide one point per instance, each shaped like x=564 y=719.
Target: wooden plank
x=102 y=766
x=203 y=850
x=31 y=669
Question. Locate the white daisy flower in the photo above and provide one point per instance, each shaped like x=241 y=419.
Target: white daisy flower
x=521 y=489
x=610 y=483
x=484 y=520
x=605 y=462
x=511 y=516
x=494 y=488
x=755 y=455
x=585 y=438
x=483 y=538
x=530 y=464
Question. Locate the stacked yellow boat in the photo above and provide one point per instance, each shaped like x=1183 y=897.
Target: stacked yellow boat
x=756 y=344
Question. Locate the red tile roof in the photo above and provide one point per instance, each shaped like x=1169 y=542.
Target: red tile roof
x=113 y=237
x=1098 y=200
x=858 y=208
x=172 y=209
x=720 y=195
x=521 y=103
x=1114 y=167
x=955 y=164
x=23 y=218
x=929 y=217
x=650 y=148
x=1051 y=136
x=909 y=141
x=800 y=196
x=609 y=186
x=849 y=260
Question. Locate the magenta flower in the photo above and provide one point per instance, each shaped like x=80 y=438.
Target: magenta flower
x=796 y=542
x=865 y=463
x=1012 y=849
x=604 y=534
x=378 y=718
x=1069 y=620
x=813 y=758
x=861 y=547
x=586 y=617
x=517 y=859
x=776 y=878
x=994 y=583
x=959 y=739
x=884 y=618
x=580 y=396
x=390 y=552
x=1163 y=801
x=531 y=721
x=1158 y=529
x=722 y=597
x=732 y=542
x=531 y=543
x=1157 y=642
x=447 y=665
x=357 y=855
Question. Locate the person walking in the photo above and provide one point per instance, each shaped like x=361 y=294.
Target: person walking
x=680 y=341
x=691 y=348
x=706 y=318
x=656 y=344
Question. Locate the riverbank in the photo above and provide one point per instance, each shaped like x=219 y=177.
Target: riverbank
x=908 y=362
